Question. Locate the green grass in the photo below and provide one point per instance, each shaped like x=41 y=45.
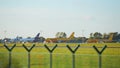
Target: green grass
x=62 y=57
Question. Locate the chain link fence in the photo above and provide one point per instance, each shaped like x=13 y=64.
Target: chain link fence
x=59 y=57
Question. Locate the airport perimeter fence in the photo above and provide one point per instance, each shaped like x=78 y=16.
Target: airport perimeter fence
x=59 y=56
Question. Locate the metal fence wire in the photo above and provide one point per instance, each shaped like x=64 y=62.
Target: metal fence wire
x=59 y=56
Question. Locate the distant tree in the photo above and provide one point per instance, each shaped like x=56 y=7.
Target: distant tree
x=97 y=35
x=57 y=34
x=0 y=40
x=20 y=37
x=64 y=35
x=91 y=35
x=116 y=36
x=28 y=37
x=41 y=39
x=105 y=36
x=61 y=35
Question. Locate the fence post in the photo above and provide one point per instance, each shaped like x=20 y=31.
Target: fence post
x=10 y=53
x=29 y=50
x=50 y=51
x=73 y=54
x=100 y=54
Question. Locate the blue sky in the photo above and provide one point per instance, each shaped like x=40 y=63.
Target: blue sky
x=28 y=17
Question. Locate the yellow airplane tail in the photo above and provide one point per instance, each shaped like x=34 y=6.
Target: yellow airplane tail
x=72 y=35
x=111 y=36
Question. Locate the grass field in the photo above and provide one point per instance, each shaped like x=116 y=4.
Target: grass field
x=86 y=56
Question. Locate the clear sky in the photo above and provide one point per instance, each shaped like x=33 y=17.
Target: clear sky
x=28 y=17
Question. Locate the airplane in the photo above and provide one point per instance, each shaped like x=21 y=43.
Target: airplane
x=70 y=39
x=20 y=39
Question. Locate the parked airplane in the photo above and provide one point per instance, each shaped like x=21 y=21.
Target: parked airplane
x=20 y=39
x=70 y=39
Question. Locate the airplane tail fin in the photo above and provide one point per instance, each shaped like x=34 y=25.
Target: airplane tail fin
x=36 y=38
x=72 y=35
x=111 y=36
x=37 y=35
